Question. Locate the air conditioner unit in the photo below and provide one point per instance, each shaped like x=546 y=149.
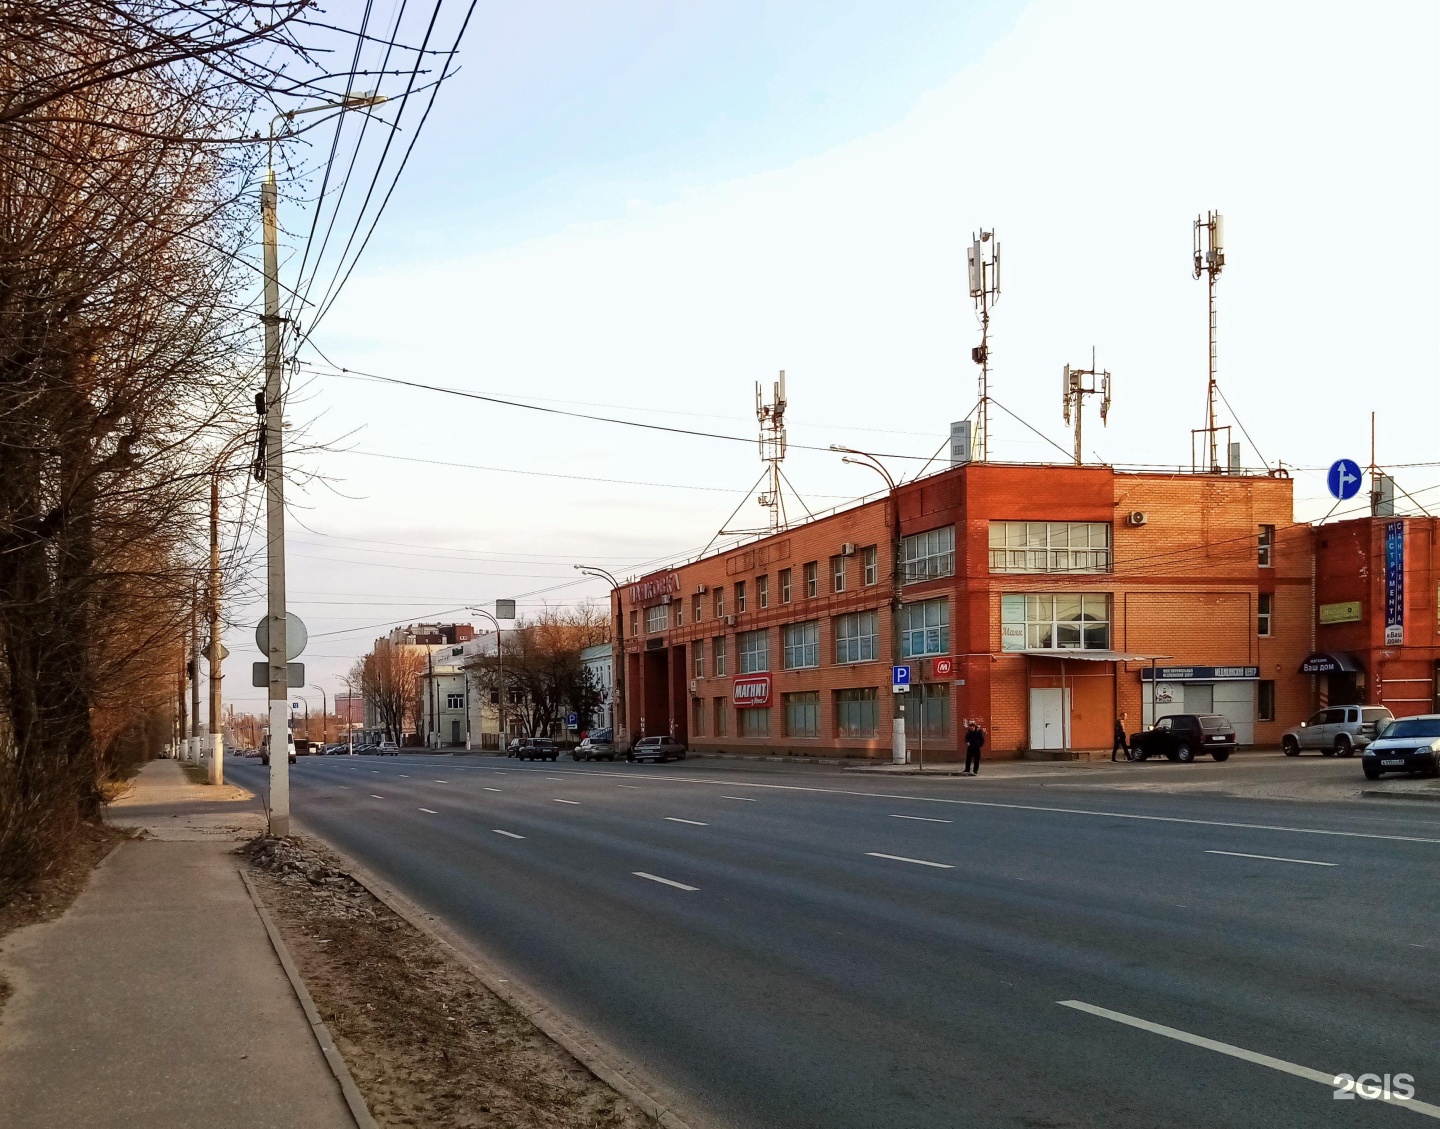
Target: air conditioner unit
x=1138 y=517
x=701 y=590
x=847 y=549
x=729 y=621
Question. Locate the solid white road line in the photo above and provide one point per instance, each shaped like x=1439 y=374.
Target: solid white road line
x=663 y=881
x=917 y=862
x=691 y=822
x=507 y=834
x=1271 y=858
x=429 y=811
x=922 y=818
x=1325 y=1079
x=489 y=789
x=575 y=802
x=747 y=799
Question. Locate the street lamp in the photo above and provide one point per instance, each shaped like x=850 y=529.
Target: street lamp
x=269 y=406
x=622 y=728
x=324 y=715
x=307 y=714
x=500 y=662
x=897 y=582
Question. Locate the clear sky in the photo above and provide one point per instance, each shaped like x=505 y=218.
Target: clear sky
x=641 y=209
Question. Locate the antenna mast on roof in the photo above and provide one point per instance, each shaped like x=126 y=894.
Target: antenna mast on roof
x=984 y=256
x=1209 y=260
x=1074 y=390
x=772 y=449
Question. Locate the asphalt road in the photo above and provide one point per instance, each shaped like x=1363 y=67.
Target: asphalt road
x=791 y=947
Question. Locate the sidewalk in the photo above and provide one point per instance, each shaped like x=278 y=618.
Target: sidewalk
x=157 y=999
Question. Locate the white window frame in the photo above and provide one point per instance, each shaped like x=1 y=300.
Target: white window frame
x=1024 y=624
x=739 y=596
x=811 y=707
x=752 y=649
x=837 y=573
x=699 y=658
x=1264 y=614
x=657 y=619
x=931 y=634
x=785 y=580
x=853 y=644
x=750 y=719
x=1051 y=546
x=801 y=644
x=928 y=555
x=872 y=565
x=762 y=590
x=812 y=579
x=721 y=659
x=1265 y=548
x=454 y=701
x=865 y=696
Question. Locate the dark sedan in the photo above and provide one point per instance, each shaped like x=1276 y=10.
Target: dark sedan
x=1184 y=736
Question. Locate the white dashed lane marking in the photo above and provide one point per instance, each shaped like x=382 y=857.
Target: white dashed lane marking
x=691 y=822
x=507 y=834
x=429 y=811
x=917 y=862
x=922 y=818
x=489 y=789
x=664 y=881
x=747 y=799
x=574 y=802
x=373 y=796
x=1271 y=858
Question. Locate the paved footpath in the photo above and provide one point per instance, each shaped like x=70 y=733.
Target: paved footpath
x=157 y=1000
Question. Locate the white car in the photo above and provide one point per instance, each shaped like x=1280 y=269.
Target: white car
x=265 y=750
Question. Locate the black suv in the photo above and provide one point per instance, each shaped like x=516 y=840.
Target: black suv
x=1184 y=736
x=537 y=749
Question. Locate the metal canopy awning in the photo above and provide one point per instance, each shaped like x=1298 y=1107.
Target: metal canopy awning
x=1094 y=656
x=1331 y=662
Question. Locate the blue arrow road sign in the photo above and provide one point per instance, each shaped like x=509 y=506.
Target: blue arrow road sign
x=901 y=675
x=1344 y=478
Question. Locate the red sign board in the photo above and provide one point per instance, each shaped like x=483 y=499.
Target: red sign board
x=944 y=668
x=751 y=690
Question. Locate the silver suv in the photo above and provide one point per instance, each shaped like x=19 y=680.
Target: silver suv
x=1337 y=731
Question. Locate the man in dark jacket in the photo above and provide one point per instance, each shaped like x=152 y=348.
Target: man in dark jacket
x=974 y=742
x=1121 y=744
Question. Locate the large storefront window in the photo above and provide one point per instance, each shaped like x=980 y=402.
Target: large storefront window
x=755 y=722
x=1060 y=622
x=925 y=628
x=857 y=637
x=931 y=706
x=754 y=649
x=929 y=555
x=857 y=712
x=1049 y=546
x=802 y=714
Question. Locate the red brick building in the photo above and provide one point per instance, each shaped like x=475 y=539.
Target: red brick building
x=1377 y=639
x=1036 y=599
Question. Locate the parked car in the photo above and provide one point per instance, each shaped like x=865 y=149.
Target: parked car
x=657 y=749
x=539 y=749
x=387 y=749
x=597 y=746
x=1184 y=736
x=265 y=749
x=1407 y=744
x=1337 y=731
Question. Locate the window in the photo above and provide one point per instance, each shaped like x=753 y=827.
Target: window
x=1265 y=706
x=857 y=637
x=1055 y=622
x=754 y=650
x=697 y=715
x=739 y=596
x=517 y=696
x=930 y=707
x=812 y=580
x=697 y=612
x=802 y=644
x=784 y=585
x=657 y=618
x=872 y=564
x=762 y=591
x=1049 y=546
x=928 y=555
x=699 y=658
x=718 y=643
x=1264 y=605
x=925 y=628
x=495 y=696
x=1267 y=544
x=634 y=622
x=857 y=712
x=755 y=722
x=837 y=574
x=680 y=615
x=722 y=715
x=719 y=600
x=454 y=701
x=802 y=714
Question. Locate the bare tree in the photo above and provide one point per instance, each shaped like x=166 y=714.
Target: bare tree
x=389 y=678
x=539 y=668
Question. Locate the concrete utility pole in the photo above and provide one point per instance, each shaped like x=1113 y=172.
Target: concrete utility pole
x=622 y=728
x=193 y=749
x=278 y=660
x=898 y=754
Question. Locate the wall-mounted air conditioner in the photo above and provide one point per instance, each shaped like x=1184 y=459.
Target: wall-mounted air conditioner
x=729 y=621
x=847 y=549
x=701 y=590
x=1138 y=517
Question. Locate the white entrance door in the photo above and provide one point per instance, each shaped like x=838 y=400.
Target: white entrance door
x=1048 y=713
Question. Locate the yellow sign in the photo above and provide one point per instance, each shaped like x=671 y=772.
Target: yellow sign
x=1348 y=612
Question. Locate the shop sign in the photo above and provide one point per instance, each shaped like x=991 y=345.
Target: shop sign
x=1347 y=612
x=654 y=587
x=750 y=691
x=1200 y=673
x=1394 y=583
x=1012 y=636
x=943 y=668
x=1164 y=693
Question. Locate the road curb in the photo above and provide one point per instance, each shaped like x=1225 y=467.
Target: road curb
x=1382 y=794
x=353 y=1098
x=607 y=1065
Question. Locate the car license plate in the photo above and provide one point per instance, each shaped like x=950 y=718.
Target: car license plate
x=1392 y=764
x=1217 y=738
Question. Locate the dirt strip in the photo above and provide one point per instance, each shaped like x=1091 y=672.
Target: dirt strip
x=425 y=1041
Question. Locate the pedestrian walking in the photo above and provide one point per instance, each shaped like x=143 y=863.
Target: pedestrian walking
x=974 y=742
x=1122 y=742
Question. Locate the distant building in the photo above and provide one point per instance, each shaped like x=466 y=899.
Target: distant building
x=599 y=660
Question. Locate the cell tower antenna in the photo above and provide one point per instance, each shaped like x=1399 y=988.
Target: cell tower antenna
x=1076 y=384
x=984 y=264
x=1209 y=260
x=772 y=449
